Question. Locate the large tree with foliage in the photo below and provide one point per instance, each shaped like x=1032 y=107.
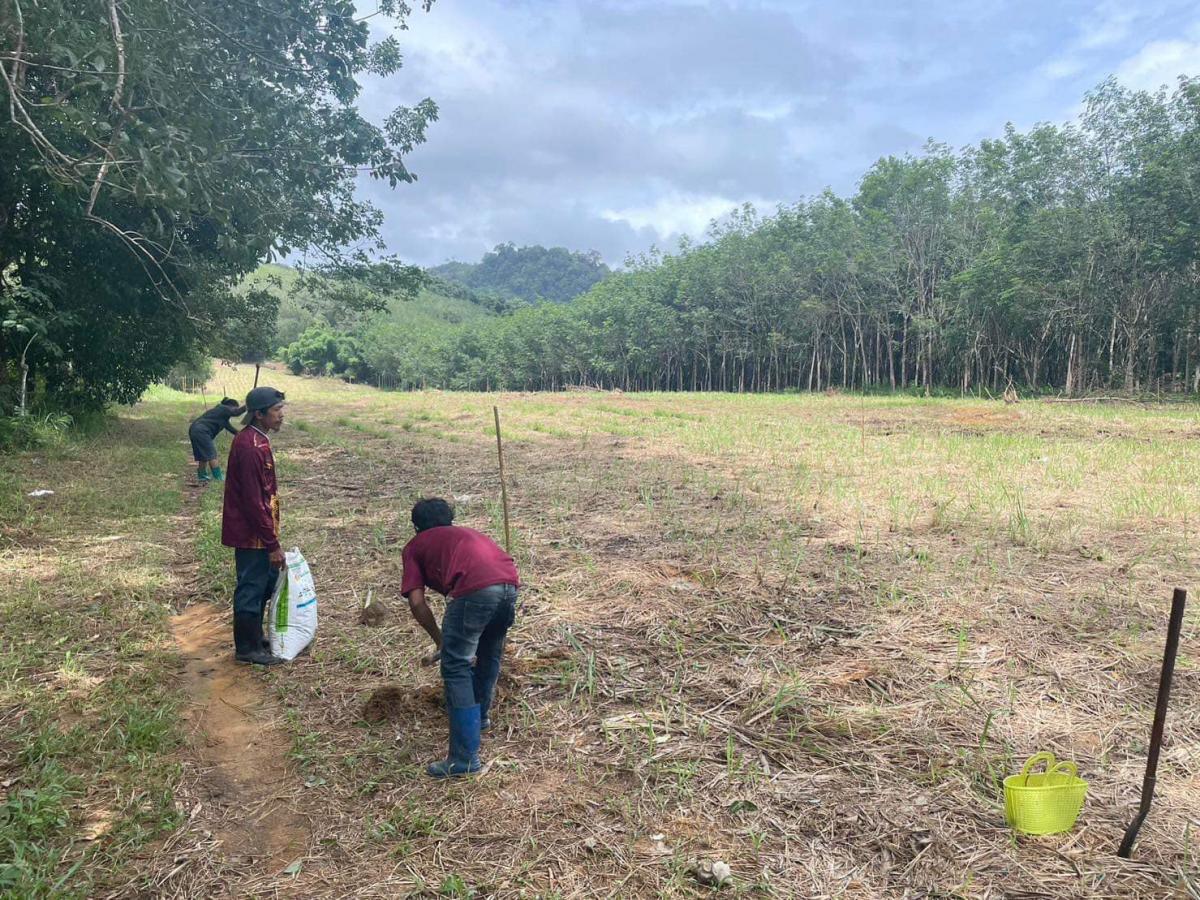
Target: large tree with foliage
x=155 y=151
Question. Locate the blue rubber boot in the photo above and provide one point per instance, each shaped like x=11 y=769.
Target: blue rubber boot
x=217 y=474
x=202 y=476
x=464 y=745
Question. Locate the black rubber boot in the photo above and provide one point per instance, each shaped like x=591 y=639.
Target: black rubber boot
x=248 y=642
x=241 y=639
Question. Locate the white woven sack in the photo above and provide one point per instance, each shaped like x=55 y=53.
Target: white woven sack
x=292 y=610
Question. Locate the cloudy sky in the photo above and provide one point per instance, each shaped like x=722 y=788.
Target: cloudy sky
x=615 y=126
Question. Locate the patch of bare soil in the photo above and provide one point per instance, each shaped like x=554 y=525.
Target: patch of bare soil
x=990 y=419
x=374 y=615
x=391 y=703
x=245 y=834
x=384 y=705
x=232 y=737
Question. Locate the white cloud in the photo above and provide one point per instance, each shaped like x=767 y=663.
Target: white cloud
x=770 y=112
x=613 y=125
x=676 y=214
x=1063 y=67
x=1159 y=63
x=1108 y=25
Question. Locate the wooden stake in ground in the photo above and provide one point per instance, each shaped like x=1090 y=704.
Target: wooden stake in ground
x=503 y=485
x=257 y=366
x=1174 y=625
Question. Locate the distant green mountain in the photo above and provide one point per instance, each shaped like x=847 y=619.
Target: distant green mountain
x=528 y=273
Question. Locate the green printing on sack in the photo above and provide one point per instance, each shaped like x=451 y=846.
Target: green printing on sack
x=281 y=611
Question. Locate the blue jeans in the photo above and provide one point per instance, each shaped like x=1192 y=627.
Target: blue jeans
x=255 y=581
x=476 y=625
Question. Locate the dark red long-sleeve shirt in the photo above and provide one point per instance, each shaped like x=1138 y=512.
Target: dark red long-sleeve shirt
x=250 y=518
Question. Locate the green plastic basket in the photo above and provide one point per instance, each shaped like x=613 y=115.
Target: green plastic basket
x=1045 y=802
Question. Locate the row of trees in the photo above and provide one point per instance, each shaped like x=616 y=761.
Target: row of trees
x=152 y=152
x=1064 y=258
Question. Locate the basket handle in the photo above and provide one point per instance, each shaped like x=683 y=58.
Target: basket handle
x=1064 y=767
x=1045 y=756
x=1054 y=766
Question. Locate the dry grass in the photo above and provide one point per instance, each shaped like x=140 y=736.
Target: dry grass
x=752 y=630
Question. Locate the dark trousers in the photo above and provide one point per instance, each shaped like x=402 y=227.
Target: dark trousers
x=476 y=625
x=255 y=582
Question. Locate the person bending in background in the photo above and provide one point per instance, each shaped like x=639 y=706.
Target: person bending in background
x=203 y=432
x=479 y=581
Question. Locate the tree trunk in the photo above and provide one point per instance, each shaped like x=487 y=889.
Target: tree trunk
x=1175 y=362
x=929 y=365
x=1112 y=349
x=1069 y=386
x=891 y=353
x=1187 y=357
x=1130 y=360
x=23 y=408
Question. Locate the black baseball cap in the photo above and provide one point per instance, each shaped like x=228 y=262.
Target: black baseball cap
x=259 y=399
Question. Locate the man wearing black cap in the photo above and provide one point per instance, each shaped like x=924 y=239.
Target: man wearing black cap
x=250 y=522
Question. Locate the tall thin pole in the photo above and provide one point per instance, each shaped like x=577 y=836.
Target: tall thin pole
x=1174 y=626
x=503 y=485
x=257 y=366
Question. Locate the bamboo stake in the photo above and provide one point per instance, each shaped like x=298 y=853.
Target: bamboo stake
x=503 y=485
x=257 y=366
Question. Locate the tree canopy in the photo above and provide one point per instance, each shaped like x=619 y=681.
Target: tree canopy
x=155 y=151
x=528 y=273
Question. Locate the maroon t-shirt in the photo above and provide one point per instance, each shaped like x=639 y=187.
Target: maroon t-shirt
x=455 y=561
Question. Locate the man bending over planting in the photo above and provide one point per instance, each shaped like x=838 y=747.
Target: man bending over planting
x=203 y=431
x=250 y=523
x=479 y=581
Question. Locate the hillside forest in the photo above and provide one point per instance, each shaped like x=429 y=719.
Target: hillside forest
x=1059 y=259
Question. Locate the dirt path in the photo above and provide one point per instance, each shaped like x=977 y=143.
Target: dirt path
x=241 y=789
x=232 y=737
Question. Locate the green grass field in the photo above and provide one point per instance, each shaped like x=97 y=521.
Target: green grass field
x=806 y=635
